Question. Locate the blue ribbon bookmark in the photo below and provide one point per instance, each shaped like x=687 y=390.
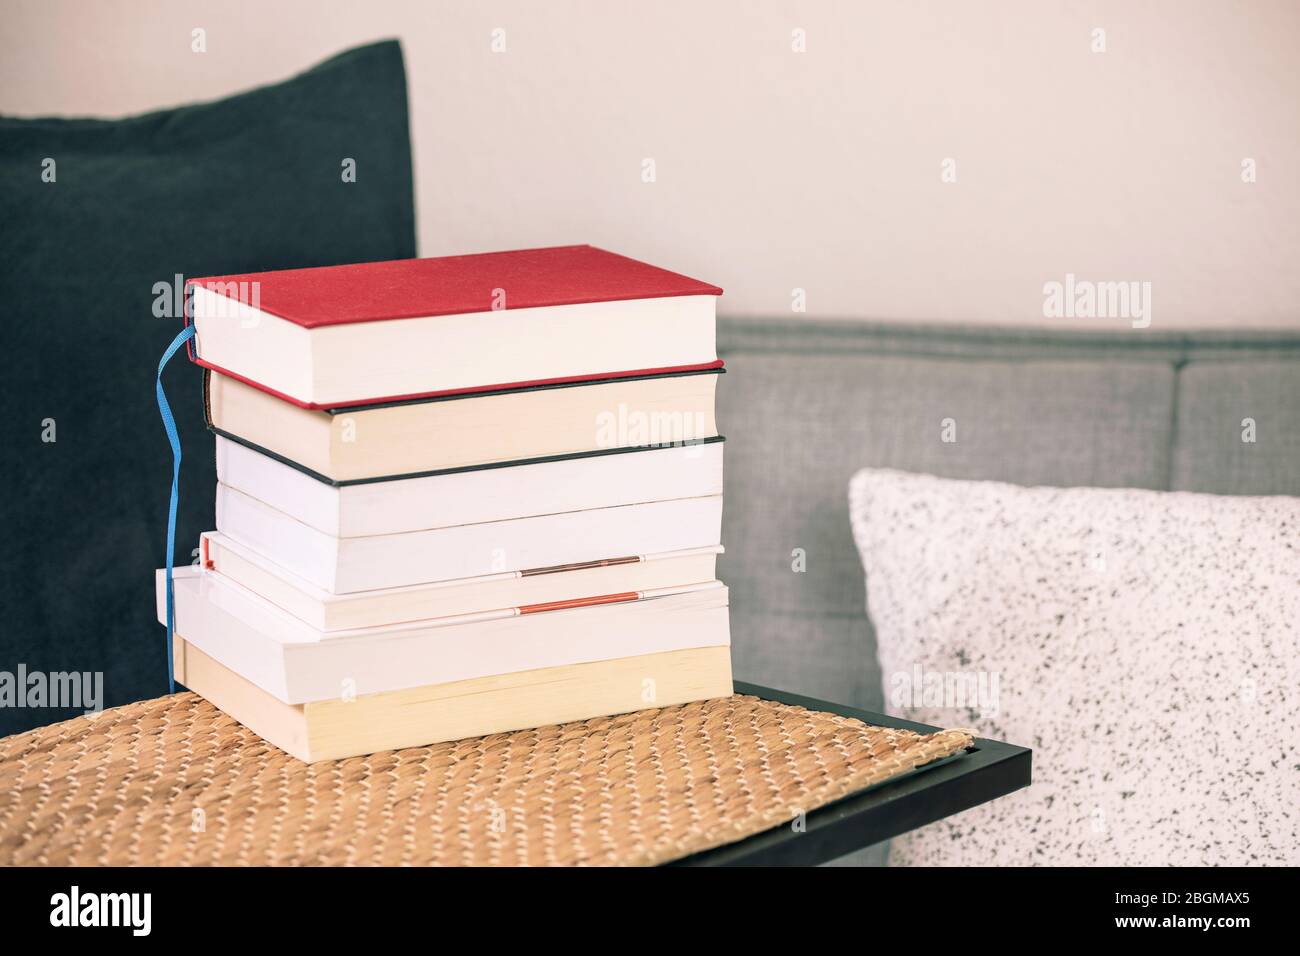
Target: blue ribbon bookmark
x=169 y=423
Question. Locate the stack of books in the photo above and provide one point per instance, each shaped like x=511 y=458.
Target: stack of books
x=456 y=496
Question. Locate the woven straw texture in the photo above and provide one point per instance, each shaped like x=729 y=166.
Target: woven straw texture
x=174 y=781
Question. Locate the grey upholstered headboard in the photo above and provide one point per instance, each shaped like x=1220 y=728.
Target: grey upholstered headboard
x=805 y=404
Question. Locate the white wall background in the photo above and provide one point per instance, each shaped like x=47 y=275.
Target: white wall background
x=775 y=169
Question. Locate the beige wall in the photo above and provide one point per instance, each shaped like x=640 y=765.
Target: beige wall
x=779 y=170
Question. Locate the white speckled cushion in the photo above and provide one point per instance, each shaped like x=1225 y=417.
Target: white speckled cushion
x=1143 y=643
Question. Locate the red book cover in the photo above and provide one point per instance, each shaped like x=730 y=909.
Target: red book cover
x=454 y=285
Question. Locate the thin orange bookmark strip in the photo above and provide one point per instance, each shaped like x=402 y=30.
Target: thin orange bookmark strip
x=580 y=602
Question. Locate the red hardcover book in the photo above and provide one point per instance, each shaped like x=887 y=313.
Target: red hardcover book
x=421 y=328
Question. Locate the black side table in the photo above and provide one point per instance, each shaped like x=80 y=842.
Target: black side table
x=988 y=770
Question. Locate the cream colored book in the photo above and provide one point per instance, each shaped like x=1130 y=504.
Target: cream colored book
x=334 y=729
x=353 y=444
x=336 y=612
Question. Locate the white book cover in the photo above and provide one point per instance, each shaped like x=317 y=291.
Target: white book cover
x=298 y=664
x=346 y=565
x=474 y=495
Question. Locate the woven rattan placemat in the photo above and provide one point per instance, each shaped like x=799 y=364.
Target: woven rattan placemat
x=175 y=781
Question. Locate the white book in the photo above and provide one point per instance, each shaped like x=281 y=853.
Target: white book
x=474 y=495
x=348 y=565
x=333 y=612
x=298 y=664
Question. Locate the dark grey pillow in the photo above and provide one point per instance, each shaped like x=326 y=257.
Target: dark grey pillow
x=97 y=213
